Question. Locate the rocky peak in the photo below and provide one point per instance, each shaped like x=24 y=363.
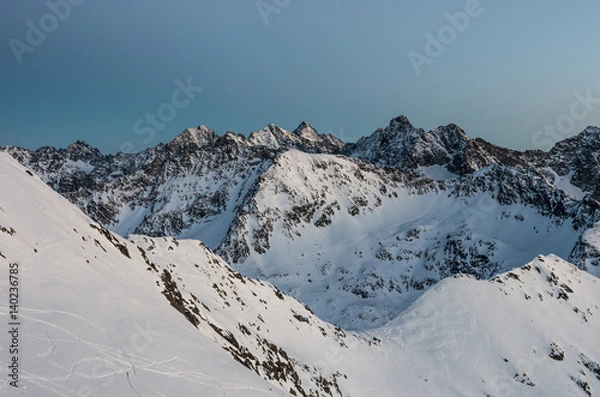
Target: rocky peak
x=275 y=130
x=401 y=145
x=400 y=131
x=589 y=135
x=578 y=158
x=452 y=135
x=196 y=136
x=81 y=150
x=583 y=143
x=400 y=123
x=268 y=136
x=304 y=138
x=306 y=131
x=231 y=137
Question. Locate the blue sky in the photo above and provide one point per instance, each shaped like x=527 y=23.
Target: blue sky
x=342 y=65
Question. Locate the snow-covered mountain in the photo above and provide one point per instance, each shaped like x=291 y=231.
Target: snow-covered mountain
x=358 y=244
x=189 y=187
x=446 y=152
x=304 y=138
x=104 y=316
x=357 y=231
x=400 y=145
x=100 y=315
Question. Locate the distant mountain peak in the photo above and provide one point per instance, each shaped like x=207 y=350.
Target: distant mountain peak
x=273 y=127
x=401 y=121
x=81 y=150
x=306 y=131
x=452 y=135
x=199 y=136
x=304 y=138
x=589 y=133
x=304 y=124
x=81 y=145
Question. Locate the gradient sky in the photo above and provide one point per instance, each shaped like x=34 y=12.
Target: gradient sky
x=342 y=65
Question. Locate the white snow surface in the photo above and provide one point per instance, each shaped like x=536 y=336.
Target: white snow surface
x=78 y=165
x=564 y=183
x=436 y=172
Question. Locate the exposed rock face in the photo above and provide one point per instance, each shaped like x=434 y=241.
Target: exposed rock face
x=402 y=146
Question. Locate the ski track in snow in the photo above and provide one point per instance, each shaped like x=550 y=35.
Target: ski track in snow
x=51 y=349
x=111 y=356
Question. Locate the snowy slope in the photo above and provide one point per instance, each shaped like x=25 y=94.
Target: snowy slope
x=268 y=332
x=93 y=321
x=530 y=332
x=99 y=318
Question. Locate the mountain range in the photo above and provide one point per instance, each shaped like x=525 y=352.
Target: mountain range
x=410 y=262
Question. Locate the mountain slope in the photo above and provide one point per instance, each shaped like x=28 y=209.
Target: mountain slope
x=102 y=315
x=93 y=322
x=529 y=332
